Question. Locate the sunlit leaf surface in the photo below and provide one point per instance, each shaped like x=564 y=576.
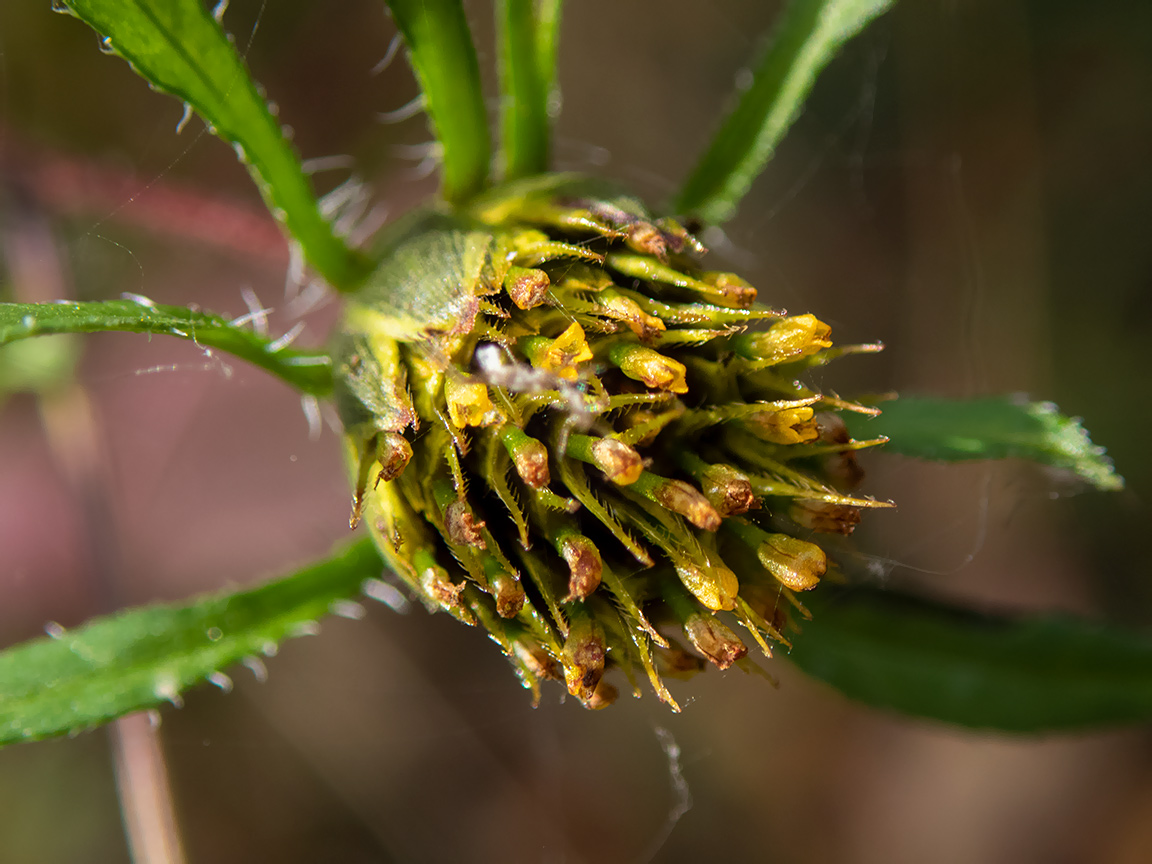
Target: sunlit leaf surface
x=1029 y=674
x=72 y=680
x=994 y=427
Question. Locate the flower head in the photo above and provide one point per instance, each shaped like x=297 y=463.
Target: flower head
x=563 y=429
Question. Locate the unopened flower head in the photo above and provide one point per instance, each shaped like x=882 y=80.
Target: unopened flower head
x=561 y=428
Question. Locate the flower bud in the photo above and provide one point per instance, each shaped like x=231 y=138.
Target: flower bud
x=736 y=291
x=584 y=654
x=825 y=517
x=789 y=426
x=648 y=366
x=715 y=587
x=712 y=638
x=469 y=403
x=726 y=489
x=797 y=564
x=561 y=356
x=679 y=497
x=503 y=350
x=584 y=564
x=527 y=287
x=620 y=463
x=788 y=339
x=529 y=456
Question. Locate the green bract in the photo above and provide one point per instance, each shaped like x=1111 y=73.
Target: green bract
x=560 y=427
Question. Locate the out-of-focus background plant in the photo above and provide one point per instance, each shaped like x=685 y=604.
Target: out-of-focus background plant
x=967 y=184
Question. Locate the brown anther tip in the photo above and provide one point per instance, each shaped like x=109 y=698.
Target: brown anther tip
x=584 y=566
x=437 y=586
x=679 y=238
x=603 y=696
x=527 y=287
x=842 y=468
x=825 y=517
x=584 y=669
x=714 y=640
x=779 y=618
x=621 y=463
x=539 y=662
x=660 y=372
x=679 y=497
x=510 y=599
x=832 y=428
x=393 y=452
x=531 y=463
x=726 y=489
x=462 y=526
x=675 y=662
x=734 y=289
x=646 y=238
x=736 y=498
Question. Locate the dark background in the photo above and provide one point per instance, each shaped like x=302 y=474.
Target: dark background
x=969 y=184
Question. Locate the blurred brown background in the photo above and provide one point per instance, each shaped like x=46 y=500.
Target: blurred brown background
x=969 y=184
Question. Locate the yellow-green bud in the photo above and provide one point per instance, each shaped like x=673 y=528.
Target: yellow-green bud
x=559 y=427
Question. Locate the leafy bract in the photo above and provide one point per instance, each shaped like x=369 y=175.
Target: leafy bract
x=993 y=427
x=307 y=371
x=147 y=656
x=1030 y=674
x=179 y=48
x=807 y=38
x=443 y=57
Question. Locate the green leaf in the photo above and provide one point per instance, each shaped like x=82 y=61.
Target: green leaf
x=527 y=33
x=180 y=49
x=807 y=38
x=150 y=655
x=443 y=57
x=38 y=367
x=994 y=427
x=1031 y=674
x=307 y=371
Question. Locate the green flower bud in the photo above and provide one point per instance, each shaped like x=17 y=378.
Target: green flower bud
x=561 y=428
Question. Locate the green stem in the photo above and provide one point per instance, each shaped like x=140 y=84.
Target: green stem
x=528 y=41
x=443 y=57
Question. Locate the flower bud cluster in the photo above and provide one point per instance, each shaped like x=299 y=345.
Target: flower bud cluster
x=562 y=429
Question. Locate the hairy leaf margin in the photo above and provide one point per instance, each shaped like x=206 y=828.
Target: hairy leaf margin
x=991 y=427
x=307 y=371
x=147 y=656
x=180 y=49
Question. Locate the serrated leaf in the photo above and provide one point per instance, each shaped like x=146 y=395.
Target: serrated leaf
x=179 y=48
x=443 y=57
x=808 y=36
x=147 y=656
x=1031 y=674
x=997 y=427
x=307 y=371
